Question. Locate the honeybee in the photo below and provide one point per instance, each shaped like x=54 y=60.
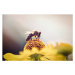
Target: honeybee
x=35 y=35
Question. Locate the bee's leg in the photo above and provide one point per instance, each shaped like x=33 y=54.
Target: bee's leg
x=32 y=38
x=35 y=37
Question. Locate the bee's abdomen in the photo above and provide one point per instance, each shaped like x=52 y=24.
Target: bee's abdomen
x=29 y=37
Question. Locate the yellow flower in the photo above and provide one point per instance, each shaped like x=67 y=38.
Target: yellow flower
x=37 y=50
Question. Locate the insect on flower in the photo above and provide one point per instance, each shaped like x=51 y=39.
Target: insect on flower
x=36 y=50
x=35 y=35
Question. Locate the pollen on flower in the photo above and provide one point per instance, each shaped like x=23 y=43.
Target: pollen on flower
x=34 y=43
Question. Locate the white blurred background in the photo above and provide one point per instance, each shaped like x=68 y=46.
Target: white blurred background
x=54 y=28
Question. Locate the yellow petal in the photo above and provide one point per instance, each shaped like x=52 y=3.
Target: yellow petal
x=12 y=57
x=64 y=48
x=58 y=57
x=48 y=51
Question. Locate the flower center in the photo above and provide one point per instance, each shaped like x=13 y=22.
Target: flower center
x=34 y=43
x=36 y=57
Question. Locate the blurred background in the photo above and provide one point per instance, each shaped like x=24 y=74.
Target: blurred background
x=54 y=28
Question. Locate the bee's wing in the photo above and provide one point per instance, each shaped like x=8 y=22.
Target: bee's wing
x=28 y=32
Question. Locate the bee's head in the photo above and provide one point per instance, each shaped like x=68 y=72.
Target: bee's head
x=36 y=32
